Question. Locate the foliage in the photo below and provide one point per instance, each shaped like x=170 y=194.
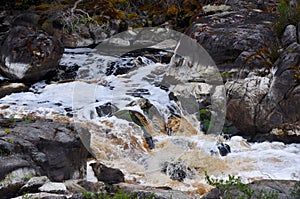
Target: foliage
x=119 y=195
x=4 y=153
x=295 y=192
x=227 y=187
x=12 y=119
x=204 y=114
x=288 y=15
x=6 y=130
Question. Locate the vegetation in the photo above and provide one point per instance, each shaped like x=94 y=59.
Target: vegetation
x=288 y=15
x=119 y=195
x=234 y=188
x=295 y=192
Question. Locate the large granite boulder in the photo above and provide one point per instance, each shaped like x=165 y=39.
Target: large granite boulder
x=49 y=148
x=28 y=54
x=263 y=92
x=259 y=104
x=230 y=31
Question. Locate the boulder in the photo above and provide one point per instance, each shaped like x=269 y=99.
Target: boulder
x=50 y=148
x=13 y=181
x=54 y=187
x=176 y=170
x=106 y=174
x=33 y=184
x=259 y=104
x=228 y=31
x=289 y=36
x=28 y=54
x=281 y=189
x=147 y=192
x=9 y=88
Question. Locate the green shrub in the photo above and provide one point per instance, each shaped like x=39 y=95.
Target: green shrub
x=226 y=188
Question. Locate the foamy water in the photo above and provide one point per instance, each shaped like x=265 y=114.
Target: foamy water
x=119 y=142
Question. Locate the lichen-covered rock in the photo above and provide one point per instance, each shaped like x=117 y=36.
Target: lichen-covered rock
x=28 y=54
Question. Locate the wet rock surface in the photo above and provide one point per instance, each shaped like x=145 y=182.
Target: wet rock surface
x=28 y=55
x=106 y=174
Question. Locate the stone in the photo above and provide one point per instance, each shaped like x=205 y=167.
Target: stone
x=106 y=174
x=244 y=95
x=34 y=184
x=42 y=195
x=107 y=109
x=54 y=187
x=29 y=55
x=229 y=32
x=73 y=32
x=282 y=188
x=259 y=104
x=224 y=149
x=146 y=192
x=298 y=31
x=289 y=35
x=9 y=88
x=10 y=163
x=11 y=184
x=176 y=170
x=50 y=148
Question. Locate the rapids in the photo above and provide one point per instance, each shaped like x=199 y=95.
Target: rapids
x=146 y=116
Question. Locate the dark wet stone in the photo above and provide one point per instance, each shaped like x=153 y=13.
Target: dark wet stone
x=107 y=109
x=106 y=174
x=140 y=92
x=29 y=55
x=176 y=170
x=223 y=148
x=9 y=88
x=150 y=142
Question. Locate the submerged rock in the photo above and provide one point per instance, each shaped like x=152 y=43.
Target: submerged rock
x=28 y=55
x=176 y=170
x=107 y=109
x=222 y=148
